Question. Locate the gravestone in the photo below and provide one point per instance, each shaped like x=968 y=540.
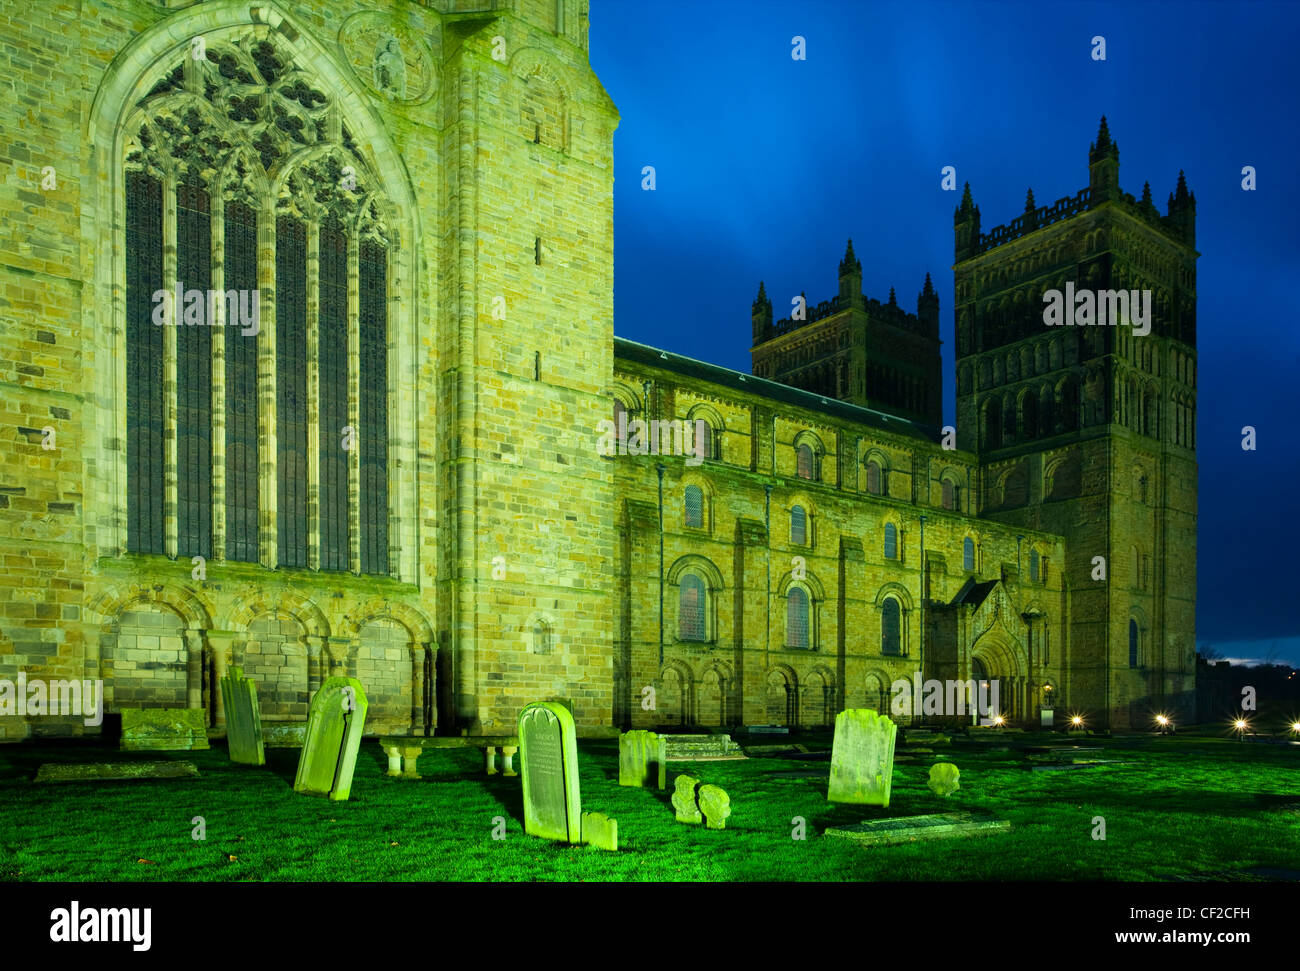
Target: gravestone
x=243 y=719
x=715 y=804
x=641 y=760
x=862 y=758
x=334 y=726
x=684 y=799
x=943 y=778
x=714 y=747
x=104 y=771
x=549 y=757
x=164 y=729
x=600 y=831
x=911 y=829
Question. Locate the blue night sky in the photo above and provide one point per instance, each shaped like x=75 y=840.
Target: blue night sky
x=766 y=165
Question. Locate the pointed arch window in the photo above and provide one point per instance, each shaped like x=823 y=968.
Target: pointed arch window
x=968 y=554
x=250 y=169
x=891 y=541
x=1132 y=643
x=1033 y=564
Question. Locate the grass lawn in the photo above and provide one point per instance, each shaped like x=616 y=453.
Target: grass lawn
x=1201 y=808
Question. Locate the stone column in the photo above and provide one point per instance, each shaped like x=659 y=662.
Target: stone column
x=491 y=752
x=508 y=756
x=417 y=689
x=338 y=656
x=222 y=647
x=315 y=646
x=194 y=668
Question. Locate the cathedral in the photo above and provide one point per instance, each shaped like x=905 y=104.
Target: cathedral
x=308 y=343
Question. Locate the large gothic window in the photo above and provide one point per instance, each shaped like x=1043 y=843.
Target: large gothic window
x=258 y=257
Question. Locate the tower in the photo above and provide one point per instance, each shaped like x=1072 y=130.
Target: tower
x=1088 y=429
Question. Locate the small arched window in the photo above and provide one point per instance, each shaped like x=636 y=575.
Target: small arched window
x=690 y=614
x=804 y=462
x=1132 y=643
x=798 y=526
x=874 y=478
x=949 y=494
x=1033 y=565
x=543 y=639
x=796 y=618
x=703 y=439
x=968 y=554
x=620 y=422
x=891 y=541
x=694 y=507
x=891 y=628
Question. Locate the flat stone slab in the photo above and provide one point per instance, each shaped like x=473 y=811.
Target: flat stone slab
x=767 y=730
x=451 y=741
x=775 y=749
x=164 y=729
x=912 y=829
x=112 y=771
x=284 y=734
x=800 y=774
x=700 y=748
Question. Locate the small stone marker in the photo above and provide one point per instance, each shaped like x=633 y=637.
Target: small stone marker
x=910 y=829
x=684 y=799
x=715 y=804
x=549 y=765
x=600 y=831
x=943 y=778
x=642 y=760
x=243 y=719
x=862 y=758
x=106 y=771
x=334 y=726
x=164 y=729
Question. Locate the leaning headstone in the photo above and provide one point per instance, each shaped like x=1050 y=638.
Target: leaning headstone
x=549 y=766
x=862 y=758
x=943 y=778
x=334 y=725
x=105 y=771
x=243 y=719
x=163 y=729
x=684 y=799
x=642 y=760
x=715 y=804
x=600 y=831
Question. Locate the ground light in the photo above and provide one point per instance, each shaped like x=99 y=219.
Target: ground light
x=1239 y=725
x=1077 y=723
x=1165 y=724
x=1295 y=728
x=999 y=720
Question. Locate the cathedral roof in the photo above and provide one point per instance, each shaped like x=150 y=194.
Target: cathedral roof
x=773 y=390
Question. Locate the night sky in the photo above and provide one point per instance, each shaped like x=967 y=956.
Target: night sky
x=766 y=165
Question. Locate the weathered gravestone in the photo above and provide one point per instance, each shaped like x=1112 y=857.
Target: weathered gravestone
x=715 y=804
x=164 y=729
x=243 y=719
x=862 y=758
x=684 y=799
x=549 y=756
x=943 y=778
x=600 y=831
x=334 y=725
x=101 y=771
x=642 y=760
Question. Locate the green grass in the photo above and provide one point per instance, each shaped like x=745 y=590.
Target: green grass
x=1196 y=808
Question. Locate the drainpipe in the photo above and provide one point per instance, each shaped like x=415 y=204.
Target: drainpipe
x=920 y=653
x=767 y=603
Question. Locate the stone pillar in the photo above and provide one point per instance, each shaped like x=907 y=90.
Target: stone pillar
x=394 y=753
x=751 y=615
x=194 y=669
x=491 y=753
x=222 y=646
x=508 y=756
x=315 y=647
x=417 y=689
x=337 y=656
